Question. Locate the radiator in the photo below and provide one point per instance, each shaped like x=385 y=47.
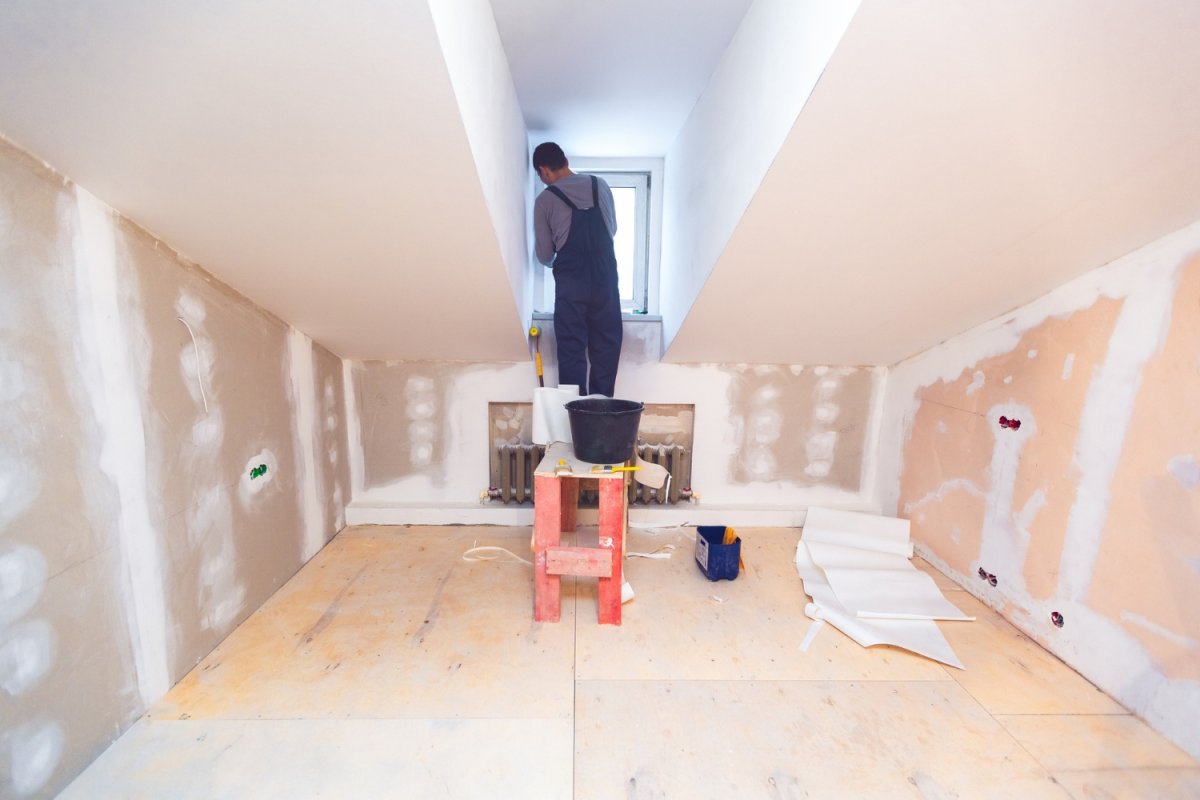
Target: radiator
x=512 y=480
x=514 y=484
x=678 y=461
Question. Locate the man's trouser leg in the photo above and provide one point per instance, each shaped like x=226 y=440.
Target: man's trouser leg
x=605 y=333
x=571 y=335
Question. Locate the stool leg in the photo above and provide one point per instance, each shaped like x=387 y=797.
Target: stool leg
x=613 y=508
x=570 y=502
x=547 y=517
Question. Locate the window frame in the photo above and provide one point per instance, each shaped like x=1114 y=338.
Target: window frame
x=649 y=214
x=640 y=183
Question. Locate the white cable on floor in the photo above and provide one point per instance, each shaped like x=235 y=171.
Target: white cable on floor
x=496 y=554
x=662 y=552
x=196 y=348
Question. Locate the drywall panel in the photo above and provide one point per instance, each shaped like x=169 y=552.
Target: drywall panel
x=729 y=140
x=1056 y=449
x=765 y=436
x=67 y=667
x=152 y=469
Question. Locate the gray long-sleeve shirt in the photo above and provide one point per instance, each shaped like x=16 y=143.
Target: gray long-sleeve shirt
x=552 y=217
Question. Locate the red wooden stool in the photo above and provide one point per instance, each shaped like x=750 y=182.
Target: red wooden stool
x=555 y=500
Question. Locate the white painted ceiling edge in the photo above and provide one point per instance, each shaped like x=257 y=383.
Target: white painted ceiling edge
x=312 y=156
x=956 y=161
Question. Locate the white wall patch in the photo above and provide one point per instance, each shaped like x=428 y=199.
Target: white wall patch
x=210 y=528
x=1170 y=635
x=1186 y=470
x=115 y=383
x=1068 y=366
x=420 y=406
x=257 y=475
x=1005 y=540
x=304 y=390
x=1139 y=333
x=977 y=381
x=34 y=750
x=22 y=576
x=826 y=413
x=939 y=494
x=26 y=654
x=819 y=449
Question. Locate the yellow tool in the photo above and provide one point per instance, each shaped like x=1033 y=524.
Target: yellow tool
x=610 y=468
x=534 y=333
x=731 y=537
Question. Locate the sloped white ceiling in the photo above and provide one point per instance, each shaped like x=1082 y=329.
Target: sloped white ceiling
x=955 y=161
x=614 y=78
x=312 y=155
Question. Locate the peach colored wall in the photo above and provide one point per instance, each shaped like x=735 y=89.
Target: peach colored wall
x=132 y=537
x=1092 y=506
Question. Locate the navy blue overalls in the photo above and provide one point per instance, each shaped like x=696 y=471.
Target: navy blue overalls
x=587 y=301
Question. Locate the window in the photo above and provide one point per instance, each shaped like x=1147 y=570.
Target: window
x=631 y=202
x=634 y=182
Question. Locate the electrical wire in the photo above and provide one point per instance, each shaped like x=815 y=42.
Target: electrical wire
x=196 y=347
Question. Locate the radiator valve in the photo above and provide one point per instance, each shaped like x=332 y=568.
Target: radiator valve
x=686 y=493
x=490 y=493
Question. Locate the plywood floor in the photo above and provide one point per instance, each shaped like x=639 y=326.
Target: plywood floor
x=389 y=667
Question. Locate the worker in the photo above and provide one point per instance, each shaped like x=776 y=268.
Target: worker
x=573 y=228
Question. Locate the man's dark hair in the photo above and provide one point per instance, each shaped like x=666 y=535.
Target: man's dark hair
x=549 y=155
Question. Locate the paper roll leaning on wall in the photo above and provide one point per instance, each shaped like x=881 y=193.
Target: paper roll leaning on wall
x=550 y=420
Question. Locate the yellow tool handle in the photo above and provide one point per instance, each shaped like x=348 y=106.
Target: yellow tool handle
x=731 y=537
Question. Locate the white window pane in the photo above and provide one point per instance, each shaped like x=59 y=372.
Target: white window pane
x=624 y=243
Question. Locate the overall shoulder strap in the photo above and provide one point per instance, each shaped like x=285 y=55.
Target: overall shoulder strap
x=561 y=196
x=595 y=192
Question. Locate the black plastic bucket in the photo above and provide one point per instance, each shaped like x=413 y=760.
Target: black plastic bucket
x=604 y=431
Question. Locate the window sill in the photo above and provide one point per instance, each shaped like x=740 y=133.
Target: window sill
x=625 y=317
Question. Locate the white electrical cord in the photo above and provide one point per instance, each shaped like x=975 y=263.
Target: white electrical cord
x=662 y=552
x=196 y=348
x=493 y=554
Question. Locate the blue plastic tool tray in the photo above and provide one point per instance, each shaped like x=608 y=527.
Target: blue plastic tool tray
x=717 y=560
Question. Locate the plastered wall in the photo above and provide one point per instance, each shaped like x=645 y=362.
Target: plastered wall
x=1090 y=507
x=138 y=400
x=769 y=439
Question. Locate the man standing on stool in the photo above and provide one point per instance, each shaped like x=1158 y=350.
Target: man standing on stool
x=573 y=227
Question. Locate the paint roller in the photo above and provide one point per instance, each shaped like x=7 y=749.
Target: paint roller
x=534 y=333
